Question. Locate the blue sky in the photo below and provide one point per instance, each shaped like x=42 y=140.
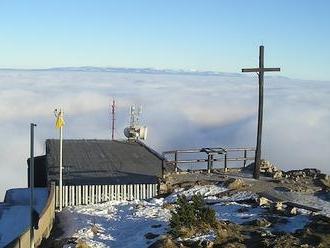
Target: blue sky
x=204 y=35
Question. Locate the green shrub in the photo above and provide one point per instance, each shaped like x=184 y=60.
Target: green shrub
x=191 y=216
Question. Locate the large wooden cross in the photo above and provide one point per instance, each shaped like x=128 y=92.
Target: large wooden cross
x=260 y=71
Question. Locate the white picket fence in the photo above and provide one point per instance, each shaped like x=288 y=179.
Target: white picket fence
x=90 y=194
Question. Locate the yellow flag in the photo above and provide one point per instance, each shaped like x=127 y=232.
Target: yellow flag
x=59 y=120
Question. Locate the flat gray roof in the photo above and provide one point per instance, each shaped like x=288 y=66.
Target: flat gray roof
x=87 y=162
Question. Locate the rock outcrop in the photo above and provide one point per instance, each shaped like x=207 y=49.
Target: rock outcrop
x=234 y=183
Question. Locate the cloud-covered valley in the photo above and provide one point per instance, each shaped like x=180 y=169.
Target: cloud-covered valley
x=181 y=111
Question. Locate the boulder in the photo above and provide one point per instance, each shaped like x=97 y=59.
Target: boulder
x=207 y=243
x=308 y=172
x=268 y=167
x=279 y=206
x=262 y=222
x=164 y=188
x=278 y=175
x=263 y=201
x=312 y=172
x=292 y=211
x=163 y=242
x=324 y=176
x=197 y=244
x=325 y=183
x=234 y=183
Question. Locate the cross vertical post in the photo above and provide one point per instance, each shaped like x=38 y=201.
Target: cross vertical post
x=256 y=172
x=260 y=71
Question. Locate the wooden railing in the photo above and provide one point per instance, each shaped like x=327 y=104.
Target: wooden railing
x=75 y=195
x=209 y=156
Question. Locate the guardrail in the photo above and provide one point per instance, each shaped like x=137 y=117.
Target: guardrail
x=213 y=155
x=46 y=221
x=75 y=195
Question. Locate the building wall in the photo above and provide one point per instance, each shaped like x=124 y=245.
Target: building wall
x=40 y=172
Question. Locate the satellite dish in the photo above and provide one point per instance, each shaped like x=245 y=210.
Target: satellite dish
x=134 y=133
x=126 y=132
x=143 y=131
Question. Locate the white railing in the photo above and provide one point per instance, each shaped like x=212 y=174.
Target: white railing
x=90 y=194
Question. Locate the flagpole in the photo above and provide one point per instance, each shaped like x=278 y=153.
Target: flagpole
x=59 y=124
x=61 y=163
x=61 y=166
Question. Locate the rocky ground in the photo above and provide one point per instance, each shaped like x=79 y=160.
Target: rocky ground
x=282 y=193
x=282 y=209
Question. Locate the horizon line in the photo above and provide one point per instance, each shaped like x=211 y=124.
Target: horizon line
x=149 y=70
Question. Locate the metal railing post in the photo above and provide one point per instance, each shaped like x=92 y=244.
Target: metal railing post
x=212 y=154
x=211 y=162
x=163 y=166
x=225 y=163
x=176 y=161
x=208 y=163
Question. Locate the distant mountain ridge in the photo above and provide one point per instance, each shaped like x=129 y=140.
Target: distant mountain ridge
x=132 y=70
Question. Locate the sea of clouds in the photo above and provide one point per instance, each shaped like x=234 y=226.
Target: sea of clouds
x=181 y=110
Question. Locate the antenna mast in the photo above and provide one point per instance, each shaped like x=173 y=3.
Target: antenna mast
x=113 y=119
x=135 y=131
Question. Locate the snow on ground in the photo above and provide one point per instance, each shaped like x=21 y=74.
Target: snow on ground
x=239 y=196
x=231 y=212
x=206 y=191
x=291 y=224
x=309 y=200
x=124 y=224
x=210 y=236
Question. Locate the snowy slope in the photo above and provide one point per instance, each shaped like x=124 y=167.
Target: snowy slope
x=124 y=224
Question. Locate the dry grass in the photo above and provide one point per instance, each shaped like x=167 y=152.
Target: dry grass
x=82 y=244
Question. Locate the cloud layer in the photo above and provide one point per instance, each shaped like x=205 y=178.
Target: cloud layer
x=181 y=111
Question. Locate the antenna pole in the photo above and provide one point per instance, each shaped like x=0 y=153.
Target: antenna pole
x=32 y=125
x=113 y=120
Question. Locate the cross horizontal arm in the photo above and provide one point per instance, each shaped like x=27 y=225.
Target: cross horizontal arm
x=260 y=69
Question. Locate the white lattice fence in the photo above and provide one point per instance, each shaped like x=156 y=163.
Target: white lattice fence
x=90 y=194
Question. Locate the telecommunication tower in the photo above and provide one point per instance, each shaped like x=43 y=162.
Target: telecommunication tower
x=135 y=131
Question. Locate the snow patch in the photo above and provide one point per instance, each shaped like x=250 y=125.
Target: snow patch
x=120 y=224
x=206 y=191
x=211 y=236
